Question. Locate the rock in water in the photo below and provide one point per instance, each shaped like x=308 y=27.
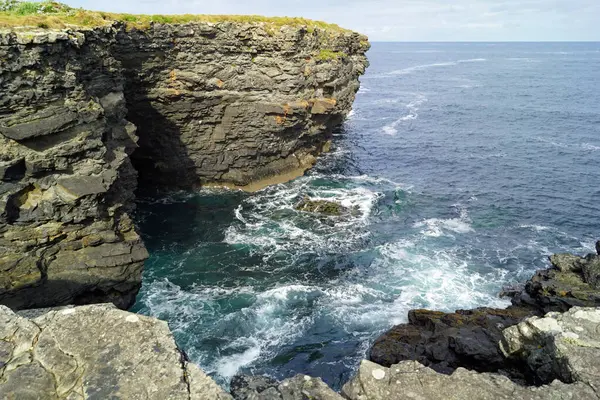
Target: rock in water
x=572 y=281
x=96 y=352
x=326 y=207
x=562 y=346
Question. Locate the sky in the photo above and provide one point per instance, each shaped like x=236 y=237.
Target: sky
x=405 y=20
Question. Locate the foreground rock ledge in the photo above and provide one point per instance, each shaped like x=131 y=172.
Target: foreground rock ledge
x=95 y=352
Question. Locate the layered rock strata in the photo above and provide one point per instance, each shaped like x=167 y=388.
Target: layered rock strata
x=241 y=104
x=67 y=183
x=96 y=352
x=244 y=105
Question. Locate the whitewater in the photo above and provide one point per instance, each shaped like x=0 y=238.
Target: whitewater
x=467 y=165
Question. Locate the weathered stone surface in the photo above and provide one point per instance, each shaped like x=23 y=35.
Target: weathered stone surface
x=563 y=346
x=300 y=387
x=95 y=352
x=447 y=341
x=558 y=346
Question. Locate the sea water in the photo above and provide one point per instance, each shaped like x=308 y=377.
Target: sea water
x=468 y=164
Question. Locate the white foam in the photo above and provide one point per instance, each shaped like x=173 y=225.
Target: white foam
x=589 y=146
x=413 y=108
x=436 y=227
x=416 y=68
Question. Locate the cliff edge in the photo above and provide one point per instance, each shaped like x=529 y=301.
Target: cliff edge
x=240 y=101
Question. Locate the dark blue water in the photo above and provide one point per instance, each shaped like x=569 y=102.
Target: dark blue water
x=470 y=163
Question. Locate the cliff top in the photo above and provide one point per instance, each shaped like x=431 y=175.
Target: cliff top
x=54 y=15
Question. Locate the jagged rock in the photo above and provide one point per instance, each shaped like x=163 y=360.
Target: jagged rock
x=231 y=103
x=558 y=346
x=95 y=352
x=566 y=345
x=573 y=281
x=300 y=387
x=447 y=341
x=325 y=207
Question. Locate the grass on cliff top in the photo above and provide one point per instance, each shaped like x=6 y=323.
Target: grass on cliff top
x=49 y=14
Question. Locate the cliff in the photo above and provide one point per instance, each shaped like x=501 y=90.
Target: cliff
x=85 y=111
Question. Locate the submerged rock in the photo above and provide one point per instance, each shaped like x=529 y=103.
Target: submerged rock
x=326 y=207
x=96 y=352
x=562 y=346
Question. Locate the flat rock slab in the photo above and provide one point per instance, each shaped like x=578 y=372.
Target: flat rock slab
x=95 y=352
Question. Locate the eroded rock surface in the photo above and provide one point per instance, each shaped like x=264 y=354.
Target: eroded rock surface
x=300 y=387
x=95 y=352
x=234 y=103
x=562 y=346
x=447 y=341
x=67 y=182
x=572 y=281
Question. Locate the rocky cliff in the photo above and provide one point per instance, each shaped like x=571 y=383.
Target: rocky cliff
x=83 y=112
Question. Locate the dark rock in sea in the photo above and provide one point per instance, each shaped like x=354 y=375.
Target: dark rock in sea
x=446 y=341
x=598 y=247
x=300 y=387
x=325 y=207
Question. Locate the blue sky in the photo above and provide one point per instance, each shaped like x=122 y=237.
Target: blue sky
x=406 y=20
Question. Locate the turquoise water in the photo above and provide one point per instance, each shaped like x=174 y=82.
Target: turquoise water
x=469 y=163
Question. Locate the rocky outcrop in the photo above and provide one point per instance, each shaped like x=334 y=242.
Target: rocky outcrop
x=95 y=352
x=563 y=347
x=447 y=341
x=470 y=338
x=239 y=104
x=572 y=281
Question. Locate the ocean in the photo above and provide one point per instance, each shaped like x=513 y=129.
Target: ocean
x=469 y=164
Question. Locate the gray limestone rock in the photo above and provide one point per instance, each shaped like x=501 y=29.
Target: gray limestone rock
x=96 y=352
x=300 y=387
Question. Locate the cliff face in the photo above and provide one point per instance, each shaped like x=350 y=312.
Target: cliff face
x=236 y=104
x=226 y=103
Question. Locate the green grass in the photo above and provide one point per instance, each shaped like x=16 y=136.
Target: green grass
x=328 y=55
x=49 y=14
